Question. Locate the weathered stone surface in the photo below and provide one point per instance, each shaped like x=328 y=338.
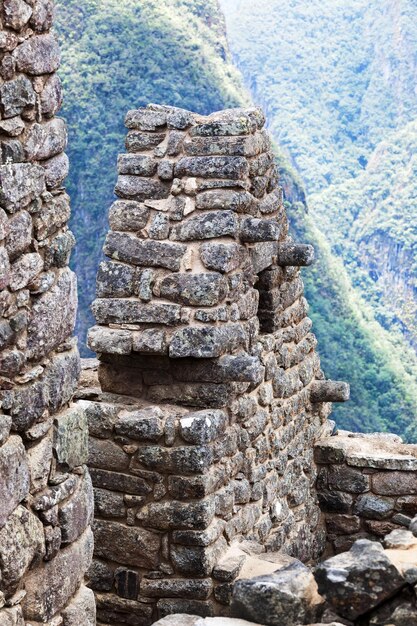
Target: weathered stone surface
x=178 y=515
x=5 y=427
x=12 y=127
x=46 y=140
x=39 y=458
x=76 y=513
x=56 y=170
x=120 y=482
x=231 y=122
x=128 y=215
x=212 y=167
x=203 y=426
x=194 y=289
x=143 y=425
x=329 y=391
x=136 y=165
x=14 y=477
x=182 y=619
x=50 y=587
x=136 y=141
x=119 y=311
x=206 y=341
x=111 y=608
x=373 y=507
x=52 y=317
x=51 y=96
x=12 y=617
x=4 y=268
x=16 y=14
x=145 y=119
x=348 y=479
x=81 y=611
x=61 y=378
x=197 y=560
x=110 y=341
x=241 y=368
x=101 y=418
x=71 y=437
x=357 y=581
x=20 y=183
x=289 y=596
x=253 y=230
x=295 y=254
x=207 y=226
x=150 y=342
x=239 y=201
x=42 y=16
x=16 y=95
x=127 y=545
x=123 y=247
x=179 y=460
x=38 y=55
x=22 y=544
x=54 y=214
x=24 y=270
x=115 y=280
x=394 y=483
x=222 y=257
x=20 y=235
x=136 y=188
x=107 y=455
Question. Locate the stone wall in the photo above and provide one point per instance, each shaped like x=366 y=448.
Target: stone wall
x=212 y=393
x=45 y=489
x=367 y=486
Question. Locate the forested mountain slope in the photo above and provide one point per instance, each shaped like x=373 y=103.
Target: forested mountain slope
x=338 y=81
x=118 y=55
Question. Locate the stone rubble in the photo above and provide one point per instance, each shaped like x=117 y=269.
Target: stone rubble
x=46 y=499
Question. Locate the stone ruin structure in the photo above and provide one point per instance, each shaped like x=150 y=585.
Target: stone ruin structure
x=46 y=500
x=210 y=449
x=202 y=333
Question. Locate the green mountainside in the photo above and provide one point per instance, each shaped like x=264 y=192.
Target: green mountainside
x=337 y=80
x=118 y=56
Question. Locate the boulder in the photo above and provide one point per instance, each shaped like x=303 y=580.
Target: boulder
x=357 y=581
x=286 y=597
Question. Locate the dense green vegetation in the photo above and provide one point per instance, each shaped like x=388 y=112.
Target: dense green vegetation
x=337 y=79
x=117 y=56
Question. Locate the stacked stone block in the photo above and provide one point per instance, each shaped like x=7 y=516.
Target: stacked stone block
x=367 y=486
x=45 y=490
x=213 y=395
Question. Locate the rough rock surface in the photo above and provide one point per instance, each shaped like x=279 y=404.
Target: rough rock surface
x=357 y=581
x=46 y=497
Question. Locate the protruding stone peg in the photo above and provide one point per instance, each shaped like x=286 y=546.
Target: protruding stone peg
x=295 y=254
x=329 y=391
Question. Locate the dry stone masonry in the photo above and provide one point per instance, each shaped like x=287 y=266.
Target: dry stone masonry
x=217 y=475
x=45 y=490
x=367 y=486
x=213 y=395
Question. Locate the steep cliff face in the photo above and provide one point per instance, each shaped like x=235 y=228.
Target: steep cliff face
x=371 y=225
